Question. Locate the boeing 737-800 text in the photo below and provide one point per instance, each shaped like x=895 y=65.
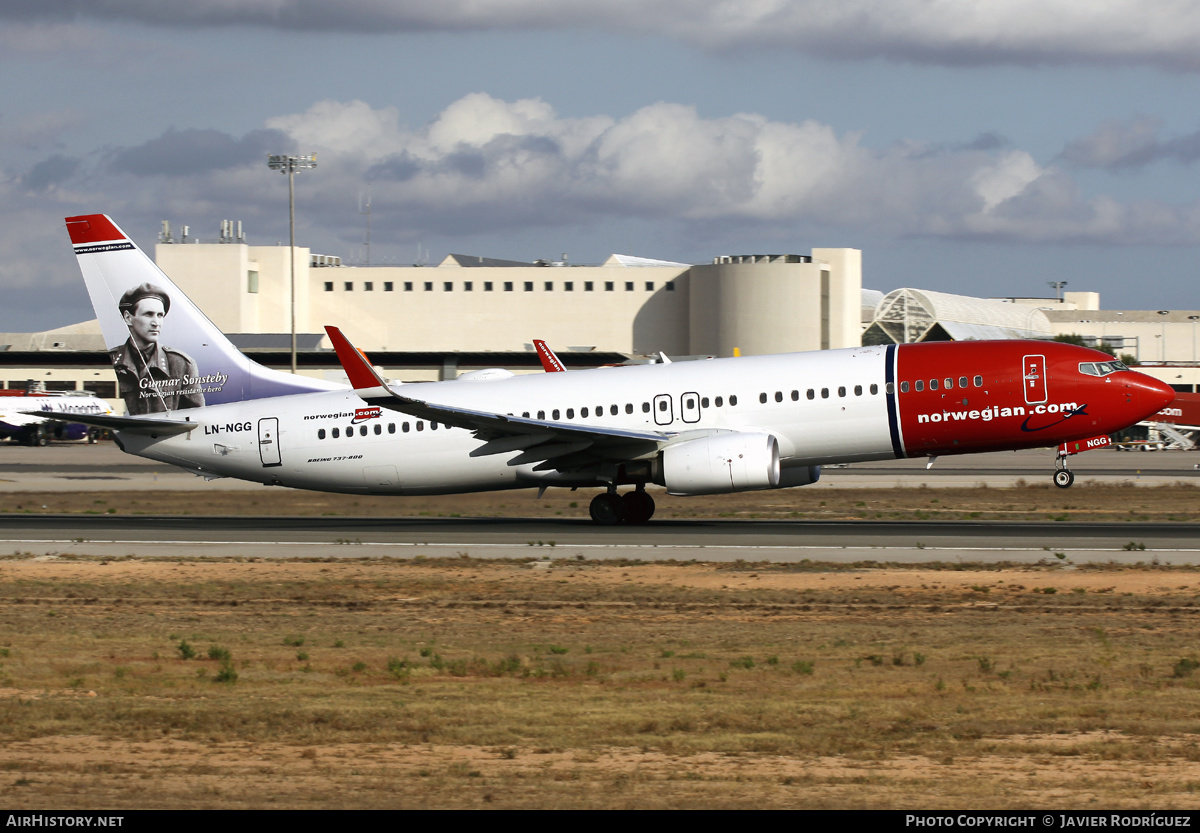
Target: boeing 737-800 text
x=695 y=427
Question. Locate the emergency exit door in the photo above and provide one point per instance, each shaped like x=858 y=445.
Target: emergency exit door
x=268 y=442
x=1034 y=371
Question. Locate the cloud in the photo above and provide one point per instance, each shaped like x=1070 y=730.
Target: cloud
x=50 y=172
x=959 y=33
x=485 y=165
x=192 y=151
x=1130 y=144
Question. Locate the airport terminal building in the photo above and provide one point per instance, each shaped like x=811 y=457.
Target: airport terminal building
x=422 y=323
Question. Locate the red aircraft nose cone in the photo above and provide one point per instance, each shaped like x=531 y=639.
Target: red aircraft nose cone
x=1154 y=395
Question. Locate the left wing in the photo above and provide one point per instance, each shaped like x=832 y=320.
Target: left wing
x=554 y=445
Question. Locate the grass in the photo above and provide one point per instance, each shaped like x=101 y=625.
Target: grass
x=608 y=689
x=1088 y=501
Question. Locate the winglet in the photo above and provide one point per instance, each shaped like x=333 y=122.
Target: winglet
x=358 y=370
x=550 y=362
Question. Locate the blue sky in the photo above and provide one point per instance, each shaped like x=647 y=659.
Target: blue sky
x=975 y=147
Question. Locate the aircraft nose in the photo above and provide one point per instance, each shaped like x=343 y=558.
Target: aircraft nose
x=1153 y=395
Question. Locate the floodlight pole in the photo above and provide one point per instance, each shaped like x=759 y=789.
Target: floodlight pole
x=289 y=165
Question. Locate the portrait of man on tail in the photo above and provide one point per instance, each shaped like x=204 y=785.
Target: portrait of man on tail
x=151 y=377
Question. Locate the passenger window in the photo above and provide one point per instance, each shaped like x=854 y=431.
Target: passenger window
x=391 y=428
x=795 y=396
x=720 y=401
x=962 y=381
x=336 y=433
x=613 y=409
x=949 y=384
x=703 y=401
x=875 y=389
x=645 y=407
x=404 y=428
x=733 y=400
x=904 y=387
x=378 y=429
x=858 y=390
x=824 y=393
x=583 y=412
x=662 y=405
x=570 y=413
x=321 y=434
x=978 y=381
x=554 y=414
x=811 y=394
x=762 y=397
x=629 y=407
x=920 y=385
x=778 y=396
x=842 y=391
x=541 y=415
x=933 y=384
x=420 y=426
x=432 y=425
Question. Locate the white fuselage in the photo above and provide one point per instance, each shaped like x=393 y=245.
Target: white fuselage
x=333 y=441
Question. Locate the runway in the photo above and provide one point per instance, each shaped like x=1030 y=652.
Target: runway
x=712 y=540
x=103 y=468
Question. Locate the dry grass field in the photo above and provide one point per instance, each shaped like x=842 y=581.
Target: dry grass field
x=1087 y=500
x=135 y=683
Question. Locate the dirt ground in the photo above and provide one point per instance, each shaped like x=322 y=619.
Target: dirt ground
x=1040 y=501
x=465 y=683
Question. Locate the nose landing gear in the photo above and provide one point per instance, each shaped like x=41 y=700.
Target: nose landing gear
x=609 y=508
x=1063 y=476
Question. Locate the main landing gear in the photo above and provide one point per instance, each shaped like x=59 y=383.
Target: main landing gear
x=609 y=508
x=1063 y=476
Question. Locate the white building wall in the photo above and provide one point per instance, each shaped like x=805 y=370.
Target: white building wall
x=756 y=307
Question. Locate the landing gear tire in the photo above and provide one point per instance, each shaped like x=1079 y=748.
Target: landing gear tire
x=607 y=509
x=1063 y=478
x=638 y=507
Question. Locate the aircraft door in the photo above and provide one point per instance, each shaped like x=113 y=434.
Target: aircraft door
x=1034 y=372
x=664 y=413
x=689 y=407
x=268 y=442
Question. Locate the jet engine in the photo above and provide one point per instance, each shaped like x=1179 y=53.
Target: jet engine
x=729 y=461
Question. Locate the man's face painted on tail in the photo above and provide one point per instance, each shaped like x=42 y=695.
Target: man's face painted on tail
x=145 y=321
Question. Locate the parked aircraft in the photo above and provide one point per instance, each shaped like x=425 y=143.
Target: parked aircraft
x=695 y=427
x=23 y=416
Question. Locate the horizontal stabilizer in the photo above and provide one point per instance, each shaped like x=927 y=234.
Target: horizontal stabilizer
x=134 y=425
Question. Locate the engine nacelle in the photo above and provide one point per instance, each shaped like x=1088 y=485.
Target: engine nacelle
x=731 y=461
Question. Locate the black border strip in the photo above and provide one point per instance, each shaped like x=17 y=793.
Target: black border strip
x=92 y=248
x=889 y=390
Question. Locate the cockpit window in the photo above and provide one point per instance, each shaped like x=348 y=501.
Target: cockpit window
x=1101 y=368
